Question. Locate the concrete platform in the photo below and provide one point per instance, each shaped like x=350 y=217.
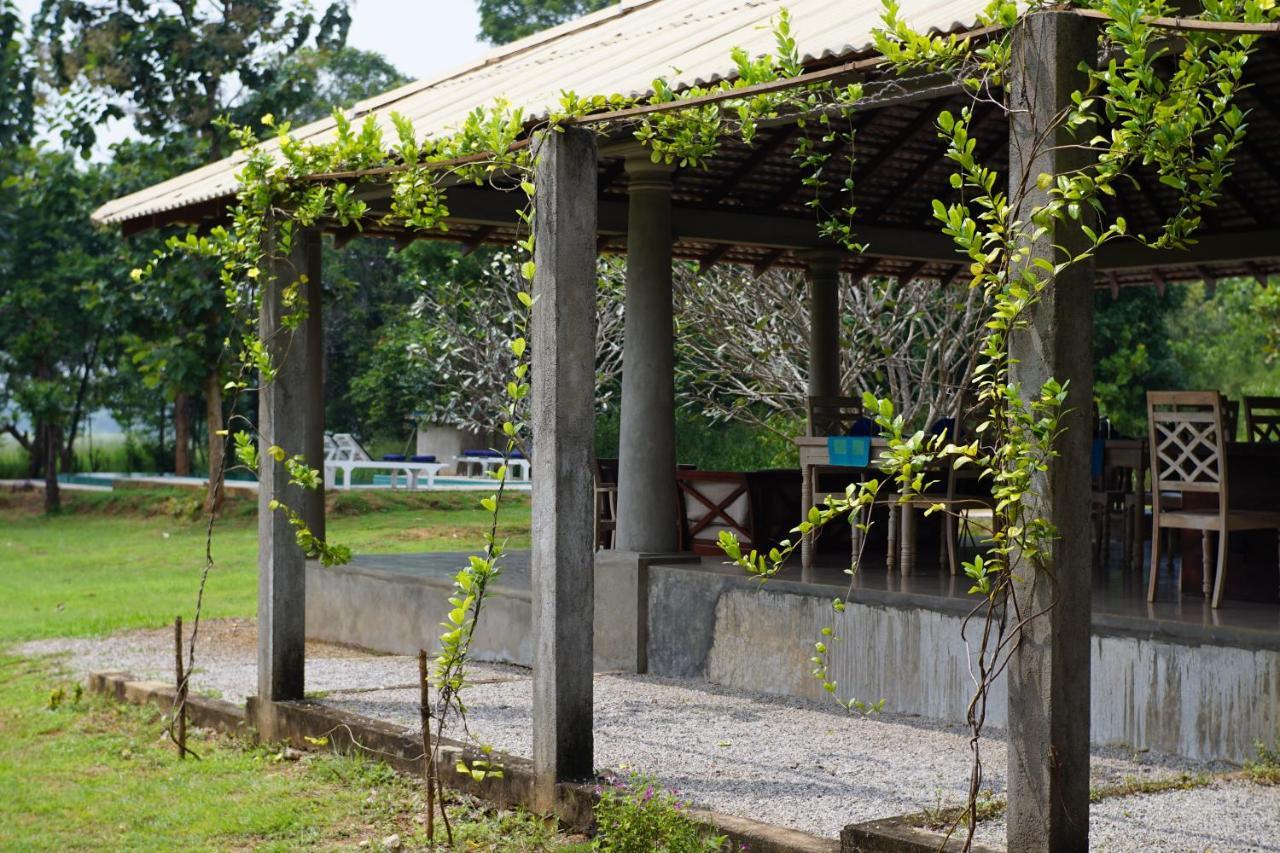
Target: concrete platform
x=1175 y=677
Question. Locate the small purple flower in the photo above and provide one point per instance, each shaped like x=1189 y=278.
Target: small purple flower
x=648 y=794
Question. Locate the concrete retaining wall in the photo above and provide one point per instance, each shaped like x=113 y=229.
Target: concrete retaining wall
x=1212 y=697
x=398 y=613
x=1195 y=700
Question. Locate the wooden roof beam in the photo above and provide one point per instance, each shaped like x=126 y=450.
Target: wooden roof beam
x=712 y=257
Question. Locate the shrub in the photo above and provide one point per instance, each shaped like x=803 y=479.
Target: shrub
x=637 y=815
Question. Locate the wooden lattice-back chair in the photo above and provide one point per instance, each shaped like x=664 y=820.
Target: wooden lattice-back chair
x=712 y=502
x=1188 y=454
x=834 y=415
x=1262 y=418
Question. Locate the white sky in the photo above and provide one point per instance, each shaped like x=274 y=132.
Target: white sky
x=420 y=37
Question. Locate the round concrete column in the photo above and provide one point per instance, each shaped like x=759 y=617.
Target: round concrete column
x=824 y=322
x=647 y=438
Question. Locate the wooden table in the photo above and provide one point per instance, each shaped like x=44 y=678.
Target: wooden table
x=815 y=458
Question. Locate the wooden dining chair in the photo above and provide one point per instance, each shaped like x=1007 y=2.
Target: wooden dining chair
x=713 y=502
x=606 y=477
x=1230 y=418
x=1188 y=455
x=834 y=415
x=1262 y=418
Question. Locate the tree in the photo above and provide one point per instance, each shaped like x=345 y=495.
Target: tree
x=1219 y=334
x=503 y=21
x=1132 y=351
x=17 y=81
x=313 y=82
x=59 y=308
x=447 y=356
x=176 y=67
x=913 y=342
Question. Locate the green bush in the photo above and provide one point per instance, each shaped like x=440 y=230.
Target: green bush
x=637 y=815
x=714 y=445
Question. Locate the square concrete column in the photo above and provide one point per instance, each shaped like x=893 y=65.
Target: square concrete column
x=562 y=355
x=647 y=436
x=1048 y=674
x=287 y=417
x=824 y=322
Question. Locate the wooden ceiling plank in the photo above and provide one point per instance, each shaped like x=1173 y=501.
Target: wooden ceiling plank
x=759 y=154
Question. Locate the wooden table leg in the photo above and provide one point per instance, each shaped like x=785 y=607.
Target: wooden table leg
x=907 y=534
x=891 y=547
x=806 y=503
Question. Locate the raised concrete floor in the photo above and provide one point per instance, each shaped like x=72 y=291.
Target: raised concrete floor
x=1175 y=677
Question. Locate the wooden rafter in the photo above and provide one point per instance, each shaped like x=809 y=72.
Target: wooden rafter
x=930 y=161
x=611 y=173
x=910 y=274
x=770 y=258
x=478 y=239
x=759 y=155
x=712 y=257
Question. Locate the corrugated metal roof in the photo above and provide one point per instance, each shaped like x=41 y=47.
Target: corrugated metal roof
x=621 y=49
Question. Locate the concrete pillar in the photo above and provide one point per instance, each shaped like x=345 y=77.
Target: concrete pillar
x=824 y=322
x=313 y=503
x=1048 y=769
x=286 y=418
x=647 y=436
x=562 y=338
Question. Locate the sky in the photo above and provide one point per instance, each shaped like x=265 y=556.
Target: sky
x=420 y=37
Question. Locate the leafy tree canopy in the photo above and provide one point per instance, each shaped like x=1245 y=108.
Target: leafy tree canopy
x=17 y=81
x=177 y=66
x=503 y=21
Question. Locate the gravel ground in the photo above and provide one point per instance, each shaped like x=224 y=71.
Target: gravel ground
x=786 y=762
x=1229 y=815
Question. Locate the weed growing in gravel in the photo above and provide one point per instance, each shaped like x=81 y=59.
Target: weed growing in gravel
x=637 y=815
x=1133 y=785
x=1265 y=769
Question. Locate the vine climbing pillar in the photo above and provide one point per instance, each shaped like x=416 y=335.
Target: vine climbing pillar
x=1048 y=770
x=647 y=434
x=562 y=359
x=289 y=417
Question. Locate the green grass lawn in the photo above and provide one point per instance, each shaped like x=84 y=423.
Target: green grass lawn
x=132 y=558
x=94 y=774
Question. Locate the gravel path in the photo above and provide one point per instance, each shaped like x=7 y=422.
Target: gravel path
x=1229 y=815
x=786 y=762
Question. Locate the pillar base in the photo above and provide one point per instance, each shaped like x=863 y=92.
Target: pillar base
x=622 y=607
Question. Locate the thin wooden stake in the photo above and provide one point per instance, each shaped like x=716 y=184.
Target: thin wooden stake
x=424 y=711
x=180 y=710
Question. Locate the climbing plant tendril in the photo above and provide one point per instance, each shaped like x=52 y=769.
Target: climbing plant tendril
x=1161 y=104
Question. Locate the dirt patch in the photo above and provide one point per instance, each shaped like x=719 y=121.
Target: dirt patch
x=238 y=637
